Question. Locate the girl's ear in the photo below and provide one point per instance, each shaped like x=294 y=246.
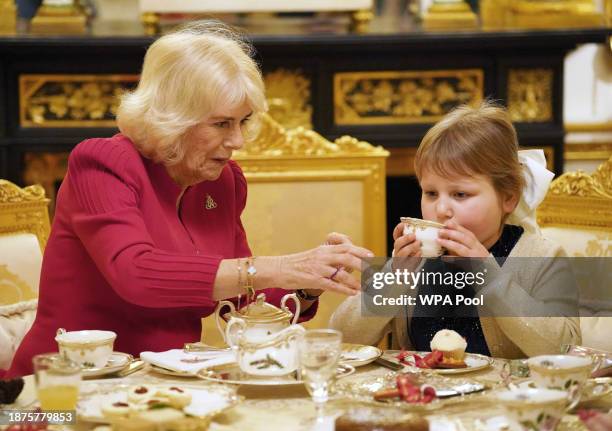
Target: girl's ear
x=509 y=202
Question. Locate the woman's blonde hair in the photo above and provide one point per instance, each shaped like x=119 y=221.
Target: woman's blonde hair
x=186 y=75
x=474 y=141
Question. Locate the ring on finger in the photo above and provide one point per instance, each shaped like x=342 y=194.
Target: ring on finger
x=331 y=277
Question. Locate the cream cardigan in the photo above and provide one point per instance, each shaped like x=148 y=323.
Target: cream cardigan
x=510 y=293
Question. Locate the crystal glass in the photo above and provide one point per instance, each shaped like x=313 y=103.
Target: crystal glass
x=57 y=381
x=319 y=351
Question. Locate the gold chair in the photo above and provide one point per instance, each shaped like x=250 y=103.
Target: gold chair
x=24 y=230
x=302 y=187
x=577 y=213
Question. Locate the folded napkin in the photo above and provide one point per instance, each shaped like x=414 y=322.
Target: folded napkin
x=179 y=360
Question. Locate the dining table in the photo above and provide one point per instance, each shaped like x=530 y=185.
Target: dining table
x=289 y=407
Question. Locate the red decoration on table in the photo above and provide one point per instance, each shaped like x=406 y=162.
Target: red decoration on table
x=408 y=390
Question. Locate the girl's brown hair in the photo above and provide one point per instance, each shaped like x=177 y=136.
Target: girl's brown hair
x=474 y=141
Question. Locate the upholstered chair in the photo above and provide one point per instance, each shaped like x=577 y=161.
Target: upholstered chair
x=577 y=213
x=302 y=187
x=24 y=230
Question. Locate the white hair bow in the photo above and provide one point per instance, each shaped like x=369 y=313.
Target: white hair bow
x=537 y=180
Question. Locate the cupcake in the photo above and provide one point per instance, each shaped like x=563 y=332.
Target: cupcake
x=450 y=343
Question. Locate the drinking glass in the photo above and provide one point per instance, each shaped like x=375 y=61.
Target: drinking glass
x=319 y=351
x=57 y=381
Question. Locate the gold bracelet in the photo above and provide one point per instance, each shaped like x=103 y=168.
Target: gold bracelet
x=251 y=272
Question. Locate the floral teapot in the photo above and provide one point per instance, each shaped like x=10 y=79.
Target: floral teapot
x=264 y=336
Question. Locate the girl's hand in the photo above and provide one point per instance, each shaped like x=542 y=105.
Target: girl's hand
x=405 y=245
x=460 y=242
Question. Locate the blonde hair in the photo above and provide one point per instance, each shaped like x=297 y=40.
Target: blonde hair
x=185 y=76
x=474 y=141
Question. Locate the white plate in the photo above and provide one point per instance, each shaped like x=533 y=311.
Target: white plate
x=359 y=354
x=117 y=362
x=231 y=373
x=474 y=362
x=206 y=401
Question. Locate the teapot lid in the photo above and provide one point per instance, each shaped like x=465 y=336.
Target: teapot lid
x=259 y=311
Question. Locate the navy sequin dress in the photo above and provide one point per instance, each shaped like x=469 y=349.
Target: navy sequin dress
x=422 y=329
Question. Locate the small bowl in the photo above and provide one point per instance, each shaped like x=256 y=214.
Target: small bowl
x=427 y=232
x=88 y=348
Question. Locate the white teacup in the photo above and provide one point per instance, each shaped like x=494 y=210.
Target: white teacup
x=533 y=409
x=427 y=232
x=89 y=348
x=560 y=371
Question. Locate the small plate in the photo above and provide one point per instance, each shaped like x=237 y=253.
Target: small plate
x=117 y=362
x=474 y=362
x=206 y=401
x=231 y=373
x=594 y=389
x=358 y=355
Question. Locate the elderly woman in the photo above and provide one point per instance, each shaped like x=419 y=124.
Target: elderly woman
x=147 y=234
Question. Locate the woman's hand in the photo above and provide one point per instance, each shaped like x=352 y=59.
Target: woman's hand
x=460 y=241
x=405 y=245
x=323 y=268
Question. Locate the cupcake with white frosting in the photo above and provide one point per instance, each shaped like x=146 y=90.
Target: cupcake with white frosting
x=450 y=343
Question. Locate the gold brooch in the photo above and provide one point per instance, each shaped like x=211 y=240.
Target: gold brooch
x=210 y=202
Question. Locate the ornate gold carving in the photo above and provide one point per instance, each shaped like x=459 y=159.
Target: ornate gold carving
x=24 y=210
x=578 y=199
x=596 y=185
x=275 y=141
x=46 y=169
x=71 y=100
x=288 y=94
x=530 y=94
x=403 y=97
x=11 y=193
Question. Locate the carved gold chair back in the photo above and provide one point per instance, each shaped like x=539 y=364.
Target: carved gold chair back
x=24 y=230
x=577 y=213
x=302 y=187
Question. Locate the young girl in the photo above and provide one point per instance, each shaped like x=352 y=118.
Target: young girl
x=485 y=192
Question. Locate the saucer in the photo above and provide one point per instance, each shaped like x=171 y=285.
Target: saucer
x=359 y=354
x=116 y=362
x=594 y=388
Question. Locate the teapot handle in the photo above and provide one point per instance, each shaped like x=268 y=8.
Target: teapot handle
x=296 y=315
x=218 y=317
x=228 y=330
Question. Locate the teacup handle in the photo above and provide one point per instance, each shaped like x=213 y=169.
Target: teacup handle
x=296 y=315
x=218 y=317
x=573 y=396
x=233 y=321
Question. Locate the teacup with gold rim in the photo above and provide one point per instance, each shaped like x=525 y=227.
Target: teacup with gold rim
x=88 y=348
x=426 y=231
x=533 y=408
x=561 y=372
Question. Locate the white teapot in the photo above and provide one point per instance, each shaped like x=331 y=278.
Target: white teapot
x=264 y=336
